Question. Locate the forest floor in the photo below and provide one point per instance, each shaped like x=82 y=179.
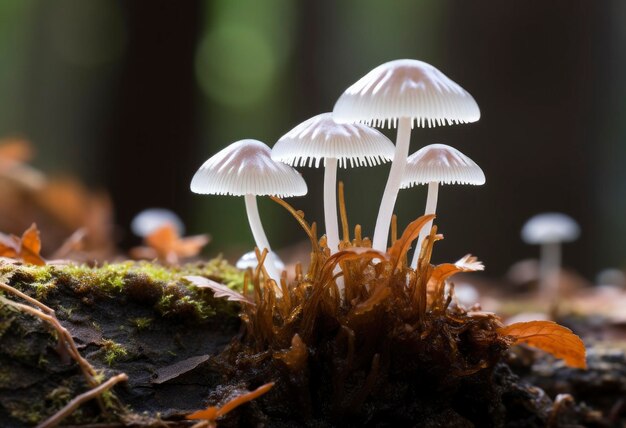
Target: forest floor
x=167 y=336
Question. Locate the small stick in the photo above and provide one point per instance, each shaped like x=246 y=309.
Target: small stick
x=69 y=408
x=26 y=297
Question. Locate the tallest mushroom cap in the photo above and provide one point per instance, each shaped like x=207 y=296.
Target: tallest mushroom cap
x=406 y=88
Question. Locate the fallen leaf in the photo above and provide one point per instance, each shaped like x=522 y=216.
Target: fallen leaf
x=168 y=246
x=550 y=337
x=212 y=413
x=26 y=248
x=219 y=290
x=170 y=372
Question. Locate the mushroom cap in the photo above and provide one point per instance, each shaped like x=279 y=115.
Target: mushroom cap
x=443 y=164
x=549 y=228
x=150 y=219
x=406 y=88
x=246 y=167
x=321 y=137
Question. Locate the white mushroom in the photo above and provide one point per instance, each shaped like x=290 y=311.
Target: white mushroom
x=403 y=93
x=549 y=230
x=245 y=168
x=322 y=139
x=150 y=219
x=435 y=164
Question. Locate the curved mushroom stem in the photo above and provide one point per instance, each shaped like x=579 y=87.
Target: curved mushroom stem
x=431 y=208
x=260 y=238
x=383 y=222
x=549 y=267
x=330 y=205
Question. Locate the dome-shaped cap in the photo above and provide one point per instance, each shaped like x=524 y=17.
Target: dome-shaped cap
x=321 y=137
x=550 y=228
x=406 y=88
x=246 y=167
x=151 y=219
x=443 y=164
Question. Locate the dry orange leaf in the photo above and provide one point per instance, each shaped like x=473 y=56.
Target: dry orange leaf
x=26 y=248
x=550 y=337
x=166 y=245
x=212 y=413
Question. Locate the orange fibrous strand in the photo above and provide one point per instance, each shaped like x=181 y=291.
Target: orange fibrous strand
x=213 y=412
x=375 y=295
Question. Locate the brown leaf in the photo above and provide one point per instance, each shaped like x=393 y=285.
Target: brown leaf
x=550 y=337
x=219 y=290
x=27 y=248
x=170 y=247
x=170 y=372
x=30 y=246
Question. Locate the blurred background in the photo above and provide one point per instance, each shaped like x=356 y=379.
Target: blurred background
x=131 y=97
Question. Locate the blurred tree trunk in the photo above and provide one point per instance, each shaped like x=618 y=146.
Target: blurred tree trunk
x=152 y=127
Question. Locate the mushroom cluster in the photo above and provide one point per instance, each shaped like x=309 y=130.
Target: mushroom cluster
x=403 y=94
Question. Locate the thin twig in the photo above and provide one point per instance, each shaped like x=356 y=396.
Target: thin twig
x=26 y=297
x=82 y=398
x=88 y=371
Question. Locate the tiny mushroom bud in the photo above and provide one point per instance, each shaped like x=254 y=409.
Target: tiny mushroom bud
x=245 y=168
x=321 y=138
x=549 y=230
x=151 y=219
x=435 y=164
x=403 y=93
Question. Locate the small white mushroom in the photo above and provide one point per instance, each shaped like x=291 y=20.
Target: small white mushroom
x=320 y=138
x=249 y=260
x=150 y=219
x=549 y=230
x=245 y=168
x=435 y=164
x=403 y=93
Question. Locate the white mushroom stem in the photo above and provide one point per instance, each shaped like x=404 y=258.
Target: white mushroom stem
x=260 y=238
x=385 y=212
x=431 y=208
x=330 y=205
x=549 y=267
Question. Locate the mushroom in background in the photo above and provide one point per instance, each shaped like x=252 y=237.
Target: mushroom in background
x=433 y=165
x=403 y=93
x=550 y=230
x=245 y=168
x=151 y=219
x=321 y=138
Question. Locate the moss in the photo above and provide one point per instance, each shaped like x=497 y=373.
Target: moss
x=142 y=323
x=112 y=351
x=147 y=283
